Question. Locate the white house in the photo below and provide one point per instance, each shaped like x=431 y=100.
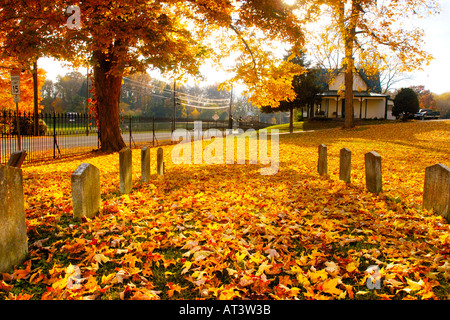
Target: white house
x=368 y=101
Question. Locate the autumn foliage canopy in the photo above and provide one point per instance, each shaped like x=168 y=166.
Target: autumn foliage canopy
x=120 y=37
x=176 y=37
x=26 y=87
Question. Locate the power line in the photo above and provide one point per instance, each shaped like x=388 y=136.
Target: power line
x=206 y=99
x=194 y=99
x=203 y=107
x=141 y=84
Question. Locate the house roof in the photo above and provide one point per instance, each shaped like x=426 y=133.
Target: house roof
x=372 y=81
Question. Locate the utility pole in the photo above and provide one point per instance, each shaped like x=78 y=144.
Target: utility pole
x=230 y=118
x=86 y=104
x=174 y=104
x=87 y=89
x=35 y=93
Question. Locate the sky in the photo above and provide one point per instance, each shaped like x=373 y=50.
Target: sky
x=435 y=76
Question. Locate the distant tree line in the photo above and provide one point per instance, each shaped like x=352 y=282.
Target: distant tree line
x=142 y=95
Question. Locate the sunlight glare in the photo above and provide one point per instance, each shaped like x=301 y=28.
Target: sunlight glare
x=289 y=2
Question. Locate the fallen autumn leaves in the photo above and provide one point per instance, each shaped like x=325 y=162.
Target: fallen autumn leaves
x=225 y=231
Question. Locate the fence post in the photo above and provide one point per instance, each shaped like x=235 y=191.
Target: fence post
x=153 y=129
x=130 y=130
x=54 y=135
x=98 y=135
x=19 y=146
x=86 y=122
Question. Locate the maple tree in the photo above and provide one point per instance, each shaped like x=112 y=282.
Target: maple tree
x=443 y=105
x=122 y=37
x=370 y=32
x=426 y=98
x=26 y=87
x=198 y=232
x=306 y=87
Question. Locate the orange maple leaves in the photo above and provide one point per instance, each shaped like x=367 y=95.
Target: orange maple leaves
x=224 y=232
x=26 y=88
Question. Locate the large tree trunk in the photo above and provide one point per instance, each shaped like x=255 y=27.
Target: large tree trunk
x=350 y=38
x=107 y=89
x=348 y=123
x=291 y=119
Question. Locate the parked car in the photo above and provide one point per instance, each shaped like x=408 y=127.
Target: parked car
x=426 y=114
x=437 y=114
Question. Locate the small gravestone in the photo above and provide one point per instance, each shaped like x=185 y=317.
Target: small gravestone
x=85 y=191
x=345 y=162
x=322 y=166
x=160 y=161
x=17 y=158
x=373 y=172
x=13 y=230
x=436 y=191
x=145 y=164
x=125 y=170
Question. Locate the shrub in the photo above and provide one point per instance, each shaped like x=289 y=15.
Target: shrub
x=27 y=126
x=405 y=102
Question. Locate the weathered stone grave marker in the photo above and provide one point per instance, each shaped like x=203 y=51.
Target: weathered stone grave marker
x=373 y=172
x=85 y=191
x=13 y=230
x=160 y=161
x=345 y=163
x=17 y=158
x=145 y=164
x=125 y=170
x=322 y=166
x=436 y=191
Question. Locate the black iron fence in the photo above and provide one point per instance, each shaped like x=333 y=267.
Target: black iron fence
x=61 y=135
x=58 y=135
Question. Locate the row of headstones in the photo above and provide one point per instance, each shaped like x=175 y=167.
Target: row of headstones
x=86 y=192
x=86 y=198
x=86 y=180
x=436 y=192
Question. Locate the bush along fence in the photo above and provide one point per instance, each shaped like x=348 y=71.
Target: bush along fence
x=65 y=134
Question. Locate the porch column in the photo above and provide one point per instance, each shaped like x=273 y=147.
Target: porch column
x=365 y=115
x=385 y=107
x=337 y=106
x=360 y=107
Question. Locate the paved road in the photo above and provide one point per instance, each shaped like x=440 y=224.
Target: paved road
x=42 y=147
x=46 y=142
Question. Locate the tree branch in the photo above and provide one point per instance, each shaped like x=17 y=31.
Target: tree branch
x=245 y=43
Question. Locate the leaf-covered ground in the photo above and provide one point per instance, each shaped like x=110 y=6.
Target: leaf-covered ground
x=226 y=231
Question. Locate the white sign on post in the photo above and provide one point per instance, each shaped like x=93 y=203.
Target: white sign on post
x=15 y=82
